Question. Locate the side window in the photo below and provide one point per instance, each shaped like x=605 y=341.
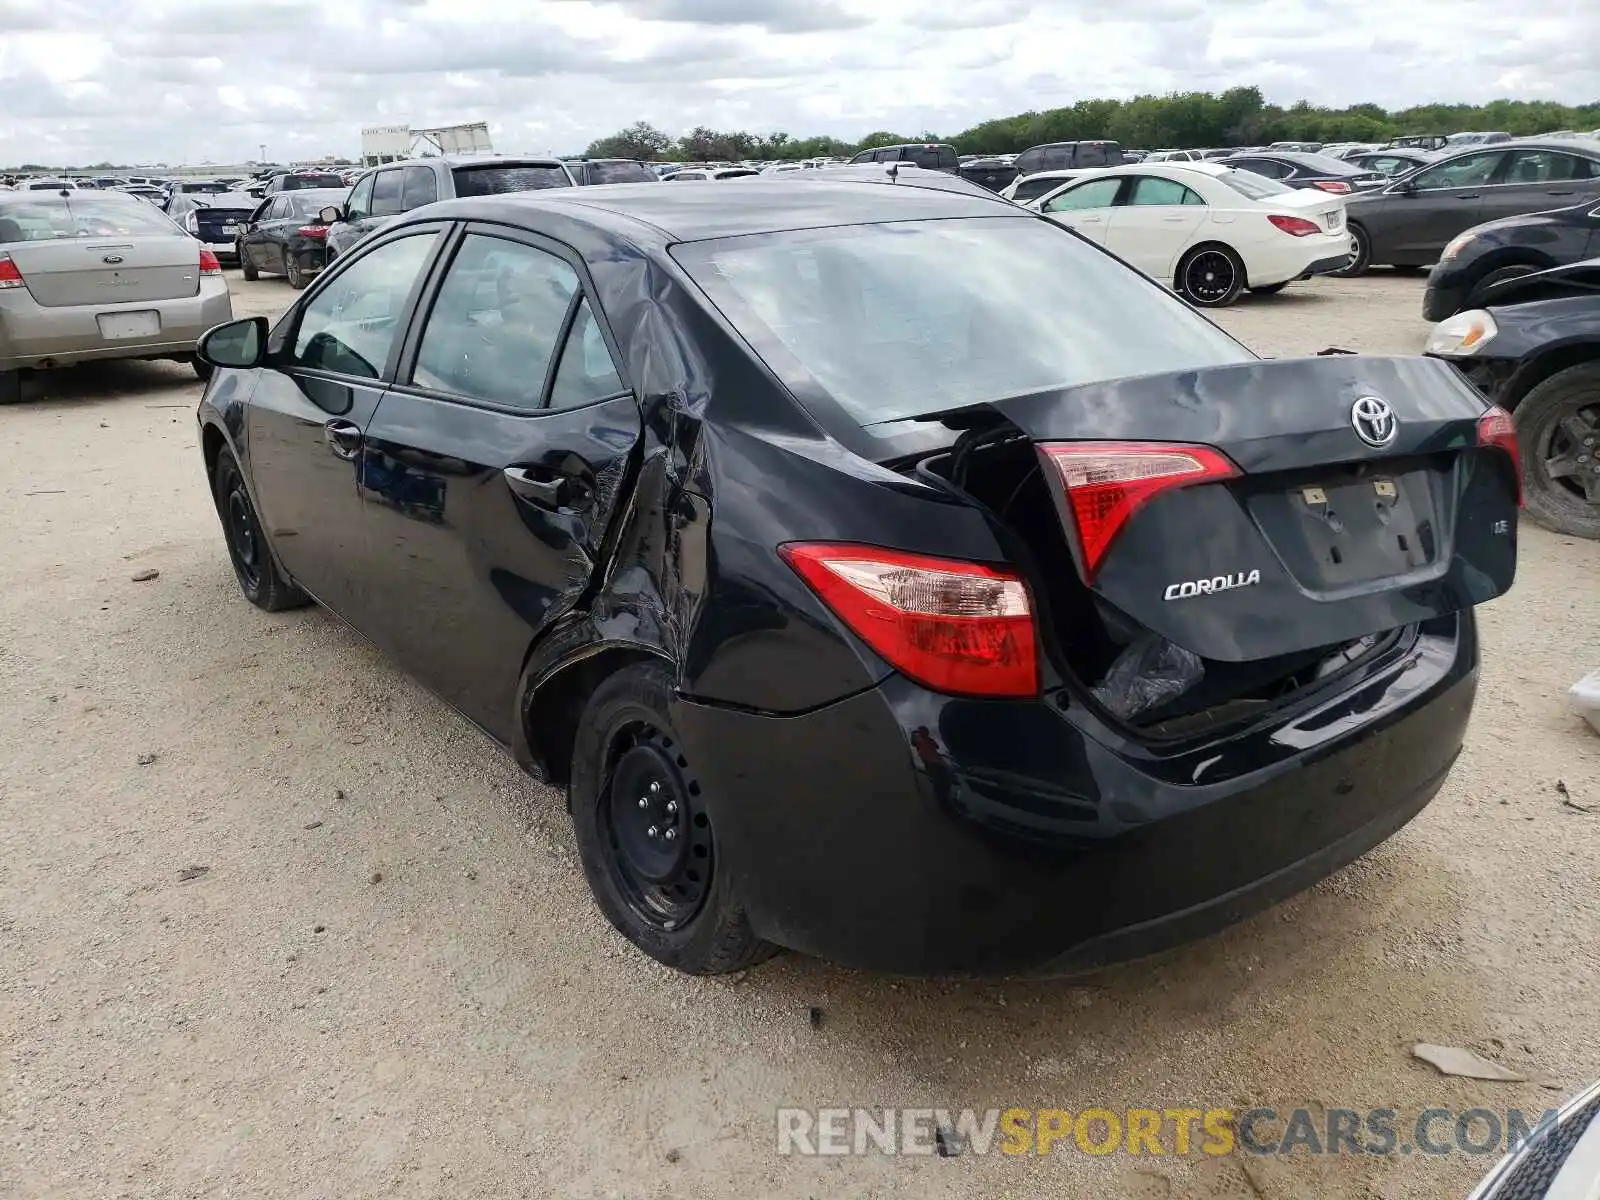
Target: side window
x=359 y=206
x=586 y=372
x=1544 y=166
x=1030 y=161
x=421 y=187
x=1091 y=156
x=1153 y=190
x=1269 y=167
x=890 y=154
x=1098 y=193
x=1032 y=189
x=278 y=209
x=386 y=194
x=1466 y=171
x=494 y=326
x=1058 y=158
x=351 y=325
x=948 y=157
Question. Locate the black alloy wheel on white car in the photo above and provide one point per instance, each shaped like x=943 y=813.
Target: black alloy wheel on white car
x=1211 y=277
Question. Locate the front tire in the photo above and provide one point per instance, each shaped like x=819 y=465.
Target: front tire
x=1558 y=434
x=259 y=578
x=1360 y=254
x=1211 y=277
x=1477 y=295
x=644 y=833
x=10 y=387
x=247 y=268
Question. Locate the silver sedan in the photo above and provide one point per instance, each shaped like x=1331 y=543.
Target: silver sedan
x=87 y=275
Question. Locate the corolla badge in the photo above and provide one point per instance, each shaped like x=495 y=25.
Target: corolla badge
x=112 y=259
x=1206 y=587
x=1374 y=421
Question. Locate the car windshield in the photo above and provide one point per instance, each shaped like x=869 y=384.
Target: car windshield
x=84 y=214
x=1257 y=187
x=494 y=180
x=621 y=172
x=905 y=319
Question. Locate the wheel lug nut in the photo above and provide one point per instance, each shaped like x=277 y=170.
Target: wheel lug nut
x=655 y=787
x=672 y=807
x=671 y=834
x=653 y=832
x=644 y=801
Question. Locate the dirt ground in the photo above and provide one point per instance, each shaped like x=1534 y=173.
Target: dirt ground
x=390 y=981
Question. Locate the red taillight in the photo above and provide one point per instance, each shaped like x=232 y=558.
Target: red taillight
x=955 y=626
x=313 y=231
x=1497 y=428
x=1295 y=226
x=1107 y=482
x=208 y=263
x=10 y=277
x=1337 y=187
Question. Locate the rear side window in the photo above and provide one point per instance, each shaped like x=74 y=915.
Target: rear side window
x=1153 y=190
x=1092 y=156
x=1030 y=161
x=1058 y=158
x=1269 y=168
x=420 y=187
x=586 y=372
x=497 y=180
x=386 y=194
x=948 y=157
x=494 y=327
x=350 y=326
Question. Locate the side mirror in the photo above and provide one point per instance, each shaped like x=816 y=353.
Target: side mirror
x=239 y=344
x=330 y=214
x=1404 y=187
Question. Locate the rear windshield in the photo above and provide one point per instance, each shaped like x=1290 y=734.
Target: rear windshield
x=492 y=181
x=295 y=183
x=620 y=172
x=86 y=214
x=1327 y=164
x=1257 y=187
x=310 y=204
x=203 y=189
x=910 y=318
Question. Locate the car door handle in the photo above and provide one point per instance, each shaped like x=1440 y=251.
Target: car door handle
x=561 y=492
x=343 y=438
x=1178 y=220
x=1469 y=196
x=1560 y=192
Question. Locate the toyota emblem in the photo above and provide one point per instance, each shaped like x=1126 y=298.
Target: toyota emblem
x=1374 y=421
x=112 y=259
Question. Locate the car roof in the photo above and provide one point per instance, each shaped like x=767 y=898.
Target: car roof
x=651 y=213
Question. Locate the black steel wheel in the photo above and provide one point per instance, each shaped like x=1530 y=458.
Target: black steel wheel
x=645 y=834
x=1558 y=435
x=1211 y=277
x=259 y=578
x=1360 y=254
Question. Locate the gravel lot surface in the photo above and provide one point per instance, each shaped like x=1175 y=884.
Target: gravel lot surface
x=389 y=979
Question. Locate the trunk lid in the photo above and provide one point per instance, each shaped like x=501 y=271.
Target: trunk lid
x=221 y=224
x=1326 y=209
x=1320 y=537
x=105 y=271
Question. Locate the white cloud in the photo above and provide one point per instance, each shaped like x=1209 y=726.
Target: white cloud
x=212 y=80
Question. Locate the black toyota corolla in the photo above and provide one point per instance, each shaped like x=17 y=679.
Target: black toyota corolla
x=884 y=572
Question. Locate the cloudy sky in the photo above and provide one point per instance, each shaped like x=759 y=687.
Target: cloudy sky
x=188 y=81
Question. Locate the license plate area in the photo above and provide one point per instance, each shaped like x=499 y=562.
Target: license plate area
x=1336 y=221
x=1338 y=532
x=129 y=324
x=230 y=228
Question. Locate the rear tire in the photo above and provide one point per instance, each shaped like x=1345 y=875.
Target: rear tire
x=1477 y=294
x=1557 y=422
x=1360 y=254
x=1211 y=276
x=259 y=578
x=1270 y=289
x=247 y=268
x=644 y=834
x=10 y=387
x=292 y=272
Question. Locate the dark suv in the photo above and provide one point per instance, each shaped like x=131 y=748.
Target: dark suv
x=394 y=188
x=1068 y=156
x=931 y=156
x=589 y=171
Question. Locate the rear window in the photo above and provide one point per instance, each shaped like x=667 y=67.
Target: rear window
x=496 y=180
x=909 y=318
x=86 y=214
x=620 y=172
x=295 y=183
x=1325 y=164
x=1257 y=187
x=308 y=205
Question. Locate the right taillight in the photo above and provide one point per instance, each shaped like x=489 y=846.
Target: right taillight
x=1295 y=226
x=955 y=626
x=10 y=277
x=1496 y=428
x=1107 y=482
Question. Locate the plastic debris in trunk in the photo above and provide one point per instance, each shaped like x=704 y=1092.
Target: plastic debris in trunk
x=1147 y=674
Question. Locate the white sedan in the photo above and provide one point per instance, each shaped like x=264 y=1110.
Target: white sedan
x=1207 y=231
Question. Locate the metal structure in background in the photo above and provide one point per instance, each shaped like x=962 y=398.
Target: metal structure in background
x=391 y=143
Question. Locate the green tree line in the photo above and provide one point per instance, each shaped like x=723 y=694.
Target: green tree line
x=1237 y=117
